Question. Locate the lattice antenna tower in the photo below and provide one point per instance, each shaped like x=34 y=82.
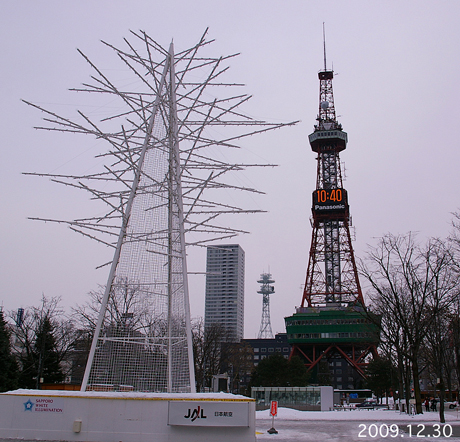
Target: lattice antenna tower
x=332 y=276
x=158 y=181
x=266 y=289
x=332 y=321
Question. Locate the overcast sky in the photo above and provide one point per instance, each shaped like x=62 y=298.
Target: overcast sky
x=396 y=93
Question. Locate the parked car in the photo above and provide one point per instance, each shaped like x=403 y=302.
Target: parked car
x=450 y=404
x=370 y=404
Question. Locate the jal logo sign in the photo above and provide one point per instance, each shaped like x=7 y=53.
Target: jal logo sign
x=208 y=413
x=197 y=413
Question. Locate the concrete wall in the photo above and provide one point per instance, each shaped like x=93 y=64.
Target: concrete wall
x=128 y=417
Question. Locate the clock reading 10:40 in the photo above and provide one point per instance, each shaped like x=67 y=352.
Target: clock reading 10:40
x=337 y=196
x=330 y=201
x=329 y=196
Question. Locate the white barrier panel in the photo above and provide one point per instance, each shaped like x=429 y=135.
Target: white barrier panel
x=28 y=415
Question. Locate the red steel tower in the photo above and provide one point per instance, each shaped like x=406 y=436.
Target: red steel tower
x=332 y=321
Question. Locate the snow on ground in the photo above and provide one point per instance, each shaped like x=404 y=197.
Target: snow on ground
x=354 y=426
x=357 y=415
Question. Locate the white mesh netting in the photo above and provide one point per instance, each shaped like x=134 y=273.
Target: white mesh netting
x=160 y=181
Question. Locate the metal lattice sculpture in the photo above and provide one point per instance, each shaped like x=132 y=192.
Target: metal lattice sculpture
x=158 y=184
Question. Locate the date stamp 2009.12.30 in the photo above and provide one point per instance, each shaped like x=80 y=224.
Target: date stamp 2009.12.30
x=382 y=430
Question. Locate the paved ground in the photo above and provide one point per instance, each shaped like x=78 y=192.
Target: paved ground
x=360 y=427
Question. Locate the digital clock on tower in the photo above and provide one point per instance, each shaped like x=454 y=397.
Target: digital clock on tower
x=327 y=200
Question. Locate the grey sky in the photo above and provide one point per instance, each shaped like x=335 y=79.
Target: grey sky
x=396 y=93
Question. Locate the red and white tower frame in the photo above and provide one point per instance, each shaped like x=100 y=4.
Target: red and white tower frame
x=332 y=320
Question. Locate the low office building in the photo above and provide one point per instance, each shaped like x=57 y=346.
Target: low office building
x=299 y=398
x=264 y=348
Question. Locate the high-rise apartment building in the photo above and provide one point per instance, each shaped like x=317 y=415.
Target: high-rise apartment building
x=225 y=289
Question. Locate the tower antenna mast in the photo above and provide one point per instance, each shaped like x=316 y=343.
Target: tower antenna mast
x=324 y=46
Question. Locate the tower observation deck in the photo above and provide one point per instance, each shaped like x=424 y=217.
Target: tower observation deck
x=332 y=321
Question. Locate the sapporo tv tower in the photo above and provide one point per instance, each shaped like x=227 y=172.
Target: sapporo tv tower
x=332 y=321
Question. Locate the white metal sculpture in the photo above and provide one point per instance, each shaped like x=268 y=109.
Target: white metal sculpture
x=158 y=171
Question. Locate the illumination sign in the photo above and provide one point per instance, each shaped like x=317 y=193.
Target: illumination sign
x=43 y=405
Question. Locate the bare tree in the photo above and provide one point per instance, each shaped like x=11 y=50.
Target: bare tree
x=238 y=361
x=410 y=287
x=455 y=341
x=126 y=307
x=394 y=344
x=207 y=351
x=454 y=242
x=44 y=339
x=130 y=322
x=437 y=355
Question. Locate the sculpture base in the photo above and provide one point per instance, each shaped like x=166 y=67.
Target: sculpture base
x=54 y=415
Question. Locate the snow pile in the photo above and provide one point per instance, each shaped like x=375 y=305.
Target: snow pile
x=290 y=414
x=131 y=395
